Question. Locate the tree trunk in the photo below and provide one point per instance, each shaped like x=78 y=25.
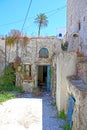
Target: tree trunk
x=39 y=30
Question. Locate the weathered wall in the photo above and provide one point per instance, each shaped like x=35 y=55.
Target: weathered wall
x=53 y=75
x=75 y=43
x=69 y=84
x=77 y=21
x=2 y=61
x=82 y=71
x=30 y=54
x=2 y=55
x=78 y=90
x=66 y=66
x=2 y=45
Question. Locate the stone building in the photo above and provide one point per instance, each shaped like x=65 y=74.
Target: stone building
x=34 y=57
x=71 y=89
x=77 y=25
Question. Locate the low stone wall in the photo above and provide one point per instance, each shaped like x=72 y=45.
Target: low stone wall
x=28 y=86
x=78 y=90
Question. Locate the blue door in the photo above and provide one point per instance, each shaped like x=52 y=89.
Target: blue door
x=48 y=78
x=71 y=103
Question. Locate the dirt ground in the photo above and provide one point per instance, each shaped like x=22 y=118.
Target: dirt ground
x=28 y=112
x=21 y=114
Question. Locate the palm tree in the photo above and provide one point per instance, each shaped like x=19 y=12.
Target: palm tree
x=42 y=21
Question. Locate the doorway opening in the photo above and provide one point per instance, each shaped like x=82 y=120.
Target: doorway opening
x=42 y=77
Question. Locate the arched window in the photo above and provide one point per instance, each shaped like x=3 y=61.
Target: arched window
x=43 y=53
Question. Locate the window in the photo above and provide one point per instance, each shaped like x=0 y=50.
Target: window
x=60 y=34
x=43 y=53
x=84 y=18
x=27 y=70
x=71 y=20
x=24 y=68
x=79 y=25
x=75 y=35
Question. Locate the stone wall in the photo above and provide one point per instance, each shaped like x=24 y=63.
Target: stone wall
x=2 y=61
x=30 y=51
x=77 y=21
x=75 y=43
x=78 y=90
x=82 y=71
x=29 y=54
x=70 y=84
x=53 y=76
x=2 y=45
x=2 y=55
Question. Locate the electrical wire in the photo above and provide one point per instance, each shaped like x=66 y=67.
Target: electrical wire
x=56 y=9
x=52 y=11
x=14 y=22
x=26 y=15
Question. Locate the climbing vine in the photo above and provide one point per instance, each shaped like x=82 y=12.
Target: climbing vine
x=64 y=46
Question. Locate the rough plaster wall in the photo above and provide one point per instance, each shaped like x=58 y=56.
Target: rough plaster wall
x=80 y=107
x=53 y=76
x=83 y=112
x=2 y=62
x=2 y=45
x=75 y=44
x=2 y=55
x=82 y=71
x=77 y=13
x=66 y=66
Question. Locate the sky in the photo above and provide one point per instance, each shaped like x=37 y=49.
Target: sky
x=13 y=13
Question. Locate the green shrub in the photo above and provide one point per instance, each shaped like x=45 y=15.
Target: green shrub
x=6 y=96
x=53 y=104
x=67 y=127
x=11 y=88
x=18 y=89
x=8 y=77
x=64 y=46
x=62 y=115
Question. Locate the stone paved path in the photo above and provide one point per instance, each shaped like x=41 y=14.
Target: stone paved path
x=29 y=113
